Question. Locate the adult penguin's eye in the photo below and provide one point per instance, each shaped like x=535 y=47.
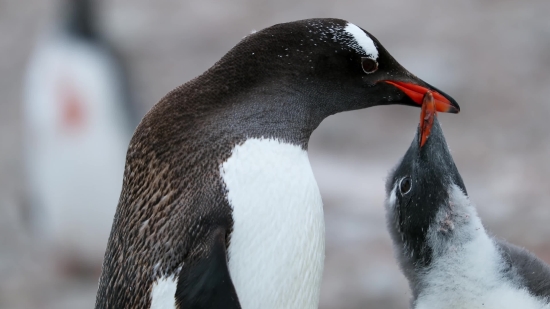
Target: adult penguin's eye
x=369 y=65
x=405 y=185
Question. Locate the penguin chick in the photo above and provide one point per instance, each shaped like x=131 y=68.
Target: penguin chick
x=441 y=245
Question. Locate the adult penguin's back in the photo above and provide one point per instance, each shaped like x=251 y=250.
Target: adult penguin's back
x=219 y=206
x=78 y=122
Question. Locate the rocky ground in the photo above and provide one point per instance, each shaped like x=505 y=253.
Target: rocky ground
x=492 y=56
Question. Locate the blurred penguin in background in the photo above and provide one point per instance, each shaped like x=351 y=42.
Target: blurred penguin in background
x=78 y=120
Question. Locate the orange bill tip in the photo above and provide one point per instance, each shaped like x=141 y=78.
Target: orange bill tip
x=416 y=93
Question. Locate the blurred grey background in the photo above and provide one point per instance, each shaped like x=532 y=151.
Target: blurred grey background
x=492 y=56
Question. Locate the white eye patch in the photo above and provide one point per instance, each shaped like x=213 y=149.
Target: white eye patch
x=362 y=40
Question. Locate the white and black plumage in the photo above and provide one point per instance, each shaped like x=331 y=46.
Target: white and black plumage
x=219 y=206
x=78 y=120
x=443 y=249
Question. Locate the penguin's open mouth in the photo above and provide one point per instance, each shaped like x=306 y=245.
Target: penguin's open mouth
x=427 y=116
x=443 y=102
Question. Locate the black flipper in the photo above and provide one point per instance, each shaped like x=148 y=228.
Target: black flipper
x=204 y=283
x=535 y=274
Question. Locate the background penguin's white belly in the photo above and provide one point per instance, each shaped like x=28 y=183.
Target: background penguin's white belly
x=277 y=247
x=76 y=137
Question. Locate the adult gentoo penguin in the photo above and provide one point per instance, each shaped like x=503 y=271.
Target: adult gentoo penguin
x=443 y=249
x=219 y=206
x=77 y=122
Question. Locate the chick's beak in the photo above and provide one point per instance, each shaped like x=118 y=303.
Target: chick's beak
x=427 y=116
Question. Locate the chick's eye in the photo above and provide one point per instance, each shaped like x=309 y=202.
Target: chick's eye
x=369 y=65
x=405 y=185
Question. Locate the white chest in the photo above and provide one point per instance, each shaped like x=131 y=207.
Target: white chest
x=277 y=248
x=468 y=275
x=472 y=281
